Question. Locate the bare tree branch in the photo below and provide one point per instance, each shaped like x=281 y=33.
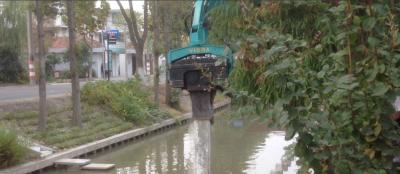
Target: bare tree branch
x=134 y=23
x=129 y=23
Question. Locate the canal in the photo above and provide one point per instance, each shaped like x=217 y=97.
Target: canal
x=238 y=146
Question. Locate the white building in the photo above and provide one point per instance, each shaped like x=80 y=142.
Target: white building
x=122 y=53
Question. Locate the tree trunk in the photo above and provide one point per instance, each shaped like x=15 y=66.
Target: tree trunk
x=42 y=69
x=167 y=45
x=156 y=79
x=91 y=58
x=76 y=103
x=137 y=40
x=167 y=86
x=139 y=59
x=156 y=51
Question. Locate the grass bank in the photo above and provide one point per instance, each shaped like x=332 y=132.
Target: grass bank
x=60 y=134
x=108 y=108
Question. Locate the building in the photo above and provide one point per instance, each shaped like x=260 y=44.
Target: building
x=122 y=53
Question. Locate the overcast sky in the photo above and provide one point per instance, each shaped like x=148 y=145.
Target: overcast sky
x=137 y=5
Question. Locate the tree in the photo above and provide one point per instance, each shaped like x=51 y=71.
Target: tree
x=42 y=68
x=156 y=47
x=88 y=25
x=76 y=102
x=173 y=33
x=12 y=42
x=136 y=35
x=328 y=73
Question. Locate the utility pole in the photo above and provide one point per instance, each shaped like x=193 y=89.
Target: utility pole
x=103 y=70
x=107 y=42
x=112 y=36
x=108 y=57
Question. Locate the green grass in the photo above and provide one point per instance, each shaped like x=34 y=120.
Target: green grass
x=107 y=109
x=98 y=123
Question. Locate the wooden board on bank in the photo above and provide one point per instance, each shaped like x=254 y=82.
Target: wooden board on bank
x=72 y=162
x=98 y=166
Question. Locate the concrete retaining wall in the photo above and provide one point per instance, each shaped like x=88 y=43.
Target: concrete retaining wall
x=37 y=165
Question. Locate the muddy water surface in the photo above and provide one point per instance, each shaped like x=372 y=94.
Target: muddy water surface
x=236 y=147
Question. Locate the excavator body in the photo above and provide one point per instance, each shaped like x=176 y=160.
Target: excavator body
x=201 y=68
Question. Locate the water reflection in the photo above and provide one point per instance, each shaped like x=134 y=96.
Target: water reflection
x=249 y=148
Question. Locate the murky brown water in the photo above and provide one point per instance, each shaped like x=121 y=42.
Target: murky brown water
x=235 y=148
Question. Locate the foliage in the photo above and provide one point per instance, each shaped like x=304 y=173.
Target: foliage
x=172 y=34
x=126 y=99
x=89 y=24
x=228 y=30
x=51 y=61
x=12 y=42
x=13 y=25
x=11 y=151
x=11 y=69
x=82 y=51
x=175 y=97
x=326 y=73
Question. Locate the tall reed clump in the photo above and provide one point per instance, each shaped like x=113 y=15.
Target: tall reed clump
x=11 y=150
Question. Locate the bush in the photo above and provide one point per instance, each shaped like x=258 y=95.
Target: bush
x=175 y=96
x=11 y=69
x=51 y=61
x=11 y=151
x=126 y=99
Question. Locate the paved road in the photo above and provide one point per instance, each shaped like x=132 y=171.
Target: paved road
x=23 y=92
x=15 y=93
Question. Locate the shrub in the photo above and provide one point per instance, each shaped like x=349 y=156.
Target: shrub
x=51 y=61
x=175 y=96
x=11 y=69
x=11 y=151
x=126 y=99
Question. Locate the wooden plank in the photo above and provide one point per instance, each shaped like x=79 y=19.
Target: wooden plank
x=72 y=162
x=98 y=166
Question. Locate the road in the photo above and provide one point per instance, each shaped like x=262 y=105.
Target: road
x=15 y=93
x=26 y=92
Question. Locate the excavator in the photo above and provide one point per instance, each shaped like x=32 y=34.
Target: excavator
x=200 y=68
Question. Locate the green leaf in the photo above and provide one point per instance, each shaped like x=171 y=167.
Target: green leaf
x=377 y=129
x=290 y=132
x=372 y=41
x=379 y=89
x=369 y=23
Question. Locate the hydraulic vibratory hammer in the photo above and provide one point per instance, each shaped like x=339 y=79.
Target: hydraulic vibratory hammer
x=200 y=68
